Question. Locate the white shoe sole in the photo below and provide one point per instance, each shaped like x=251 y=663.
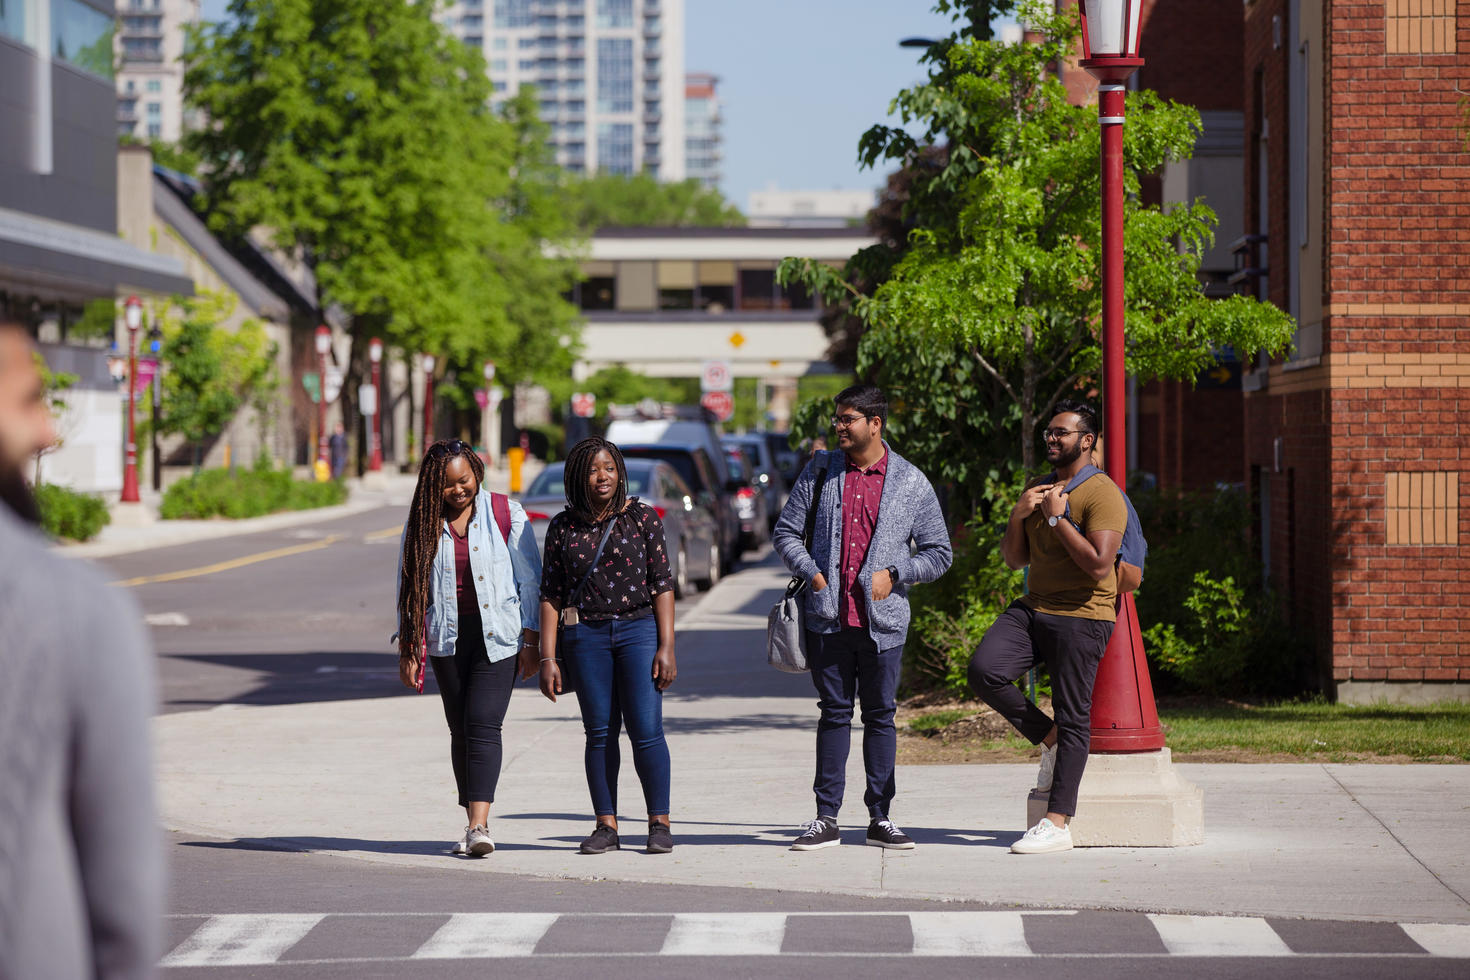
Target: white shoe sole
x=815 y=847
x=892 y=847
x=1020 y=847
x=482 y=848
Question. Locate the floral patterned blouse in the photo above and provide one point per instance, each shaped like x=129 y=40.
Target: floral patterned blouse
x=634 y=566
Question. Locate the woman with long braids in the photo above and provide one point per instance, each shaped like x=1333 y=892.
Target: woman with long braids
x=468 y=580
x=607 y=580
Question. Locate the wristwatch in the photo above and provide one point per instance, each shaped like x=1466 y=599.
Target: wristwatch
x=893 y=574
x=1052 y=521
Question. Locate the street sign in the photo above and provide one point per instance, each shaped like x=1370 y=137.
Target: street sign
x=312 y=383
x=716 y=376
x=737 y=339
x=367 y=399
x=720 y=403
x=147 y=371
x=334 y=382
x=584 y=404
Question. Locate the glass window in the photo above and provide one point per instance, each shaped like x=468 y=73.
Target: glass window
x=155 y=130
x=615 y=75
x=498 y=44
x=82 y=36
x=154 y=85
x=757 y=289
x=498 y=64
x=676 y=285
x=514 y=13
x=155 y=110
x=13 y=20
x=636 y=290
x=615 y=148
x=614 y=13
x=716 y=287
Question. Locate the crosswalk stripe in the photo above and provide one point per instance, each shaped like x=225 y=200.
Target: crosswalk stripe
x=730 y=934
x=476 y=935
x=241 y=940
x=969 y=934
x=1218 y=935
x=1440 y=938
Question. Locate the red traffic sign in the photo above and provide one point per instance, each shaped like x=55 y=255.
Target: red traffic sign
x=720 y=403
x=716 y=376
x=584 y=404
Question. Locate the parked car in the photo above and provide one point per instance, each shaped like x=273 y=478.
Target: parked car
x=757 y=449
x=752 y=502
x=689 y=527
x=788 y=461
x=658 y=422
x=698 y=471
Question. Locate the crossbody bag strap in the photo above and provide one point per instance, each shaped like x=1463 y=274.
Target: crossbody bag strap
x=796 y=584
x=576 y=593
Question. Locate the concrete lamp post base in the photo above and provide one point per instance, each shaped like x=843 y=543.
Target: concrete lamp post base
x=1135 y=799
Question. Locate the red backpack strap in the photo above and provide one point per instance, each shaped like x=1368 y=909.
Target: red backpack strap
x=500 y=507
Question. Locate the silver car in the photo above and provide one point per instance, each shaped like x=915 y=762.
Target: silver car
x=689 y=527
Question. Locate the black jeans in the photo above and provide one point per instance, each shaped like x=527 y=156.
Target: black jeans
x=1071 y=648
x=844 y=663
x=476 y=694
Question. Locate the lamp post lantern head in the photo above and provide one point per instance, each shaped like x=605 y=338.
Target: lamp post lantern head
x=375 y=350
x=489 y=370
x=428 y=362
x=133 y=313
x=1111 y=31
x=323 y=339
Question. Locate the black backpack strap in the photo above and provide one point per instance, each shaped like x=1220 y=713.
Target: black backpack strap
x=797 y=584
x=576 y=594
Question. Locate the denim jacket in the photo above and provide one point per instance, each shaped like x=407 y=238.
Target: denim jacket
x=507 y=583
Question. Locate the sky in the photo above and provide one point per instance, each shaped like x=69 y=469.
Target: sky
x=800 y=81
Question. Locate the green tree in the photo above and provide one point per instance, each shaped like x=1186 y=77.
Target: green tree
x=642 y=201
x=210 y=372
x=992 y=311
x=358 y=134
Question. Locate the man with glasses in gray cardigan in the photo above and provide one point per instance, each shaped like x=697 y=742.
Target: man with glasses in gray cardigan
x=879 y=531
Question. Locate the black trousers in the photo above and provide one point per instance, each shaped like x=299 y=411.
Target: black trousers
x=1071 y=648
x=846 y=664
x=476 y=694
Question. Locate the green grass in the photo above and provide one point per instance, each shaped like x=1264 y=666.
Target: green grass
x=939 y=719
x=1322 y=732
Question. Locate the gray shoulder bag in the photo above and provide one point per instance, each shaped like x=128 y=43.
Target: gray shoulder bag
x=786 y=624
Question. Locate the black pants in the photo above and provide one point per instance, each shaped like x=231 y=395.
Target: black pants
x=844 y=664
x=476 y=694
x=1071 y=648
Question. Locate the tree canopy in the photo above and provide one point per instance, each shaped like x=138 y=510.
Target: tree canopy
x=613 y=201
x=990 y=310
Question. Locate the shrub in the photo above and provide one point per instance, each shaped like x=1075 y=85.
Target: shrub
x=246 y=493
x=71 y=515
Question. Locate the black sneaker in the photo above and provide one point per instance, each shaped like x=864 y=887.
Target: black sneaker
x=882 y=833
x=602 y=840
x=821 y=832
x=660 y=840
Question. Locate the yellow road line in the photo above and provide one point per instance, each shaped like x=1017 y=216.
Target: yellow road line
x=387 y=532
x=224 y=566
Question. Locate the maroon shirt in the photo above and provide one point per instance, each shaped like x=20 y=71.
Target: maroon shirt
x=464 y=586
x=862 y=491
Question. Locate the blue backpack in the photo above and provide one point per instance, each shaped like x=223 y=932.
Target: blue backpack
x=1134 y=549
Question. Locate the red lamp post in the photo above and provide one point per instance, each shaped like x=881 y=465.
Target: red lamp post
x=1124 y=716
x=323 y=347
x=133 y=317
x=428 y=362
x=375 y=355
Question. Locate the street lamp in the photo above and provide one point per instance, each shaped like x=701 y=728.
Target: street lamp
x=1124 y=716
x=375 y=355
x=323 y=347
x=428 y=362
x=133 y=317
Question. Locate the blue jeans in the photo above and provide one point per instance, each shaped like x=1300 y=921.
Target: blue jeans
x=844 y=664
x=613 y=666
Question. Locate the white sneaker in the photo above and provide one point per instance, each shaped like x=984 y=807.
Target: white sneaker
x=1048 y=766
x=462 y=845
x=1044 y=838
x=478 y=842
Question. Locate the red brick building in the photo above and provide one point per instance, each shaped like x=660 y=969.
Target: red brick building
x=1358 y=184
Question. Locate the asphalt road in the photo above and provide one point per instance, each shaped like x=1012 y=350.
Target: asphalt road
x=304 y=615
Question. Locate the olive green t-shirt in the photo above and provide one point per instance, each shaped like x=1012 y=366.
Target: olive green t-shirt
x=1055 y=584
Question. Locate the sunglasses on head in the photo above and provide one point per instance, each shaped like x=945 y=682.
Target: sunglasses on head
x=454 y=447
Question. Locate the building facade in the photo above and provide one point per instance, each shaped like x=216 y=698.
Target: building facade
x=609 y=75
x=150 y=76
x=1358 y=210
x=702 y=124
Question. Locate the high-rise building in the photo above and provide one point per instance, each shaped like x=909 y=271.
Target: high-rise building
x=150 y=79
x=702 y=129
x=609 y=75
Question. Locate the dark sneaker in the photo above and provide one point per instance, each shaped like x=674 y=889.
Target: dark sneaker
x=660 y=840
x=602 y=840
x=819 y=833
x=882 y=833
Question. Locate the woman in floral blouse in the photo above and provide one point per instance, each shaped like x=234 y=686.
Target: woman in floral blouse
x=617 y=632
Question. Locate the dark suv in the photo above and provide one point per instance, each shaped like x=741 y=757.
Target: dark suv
x=695 y=466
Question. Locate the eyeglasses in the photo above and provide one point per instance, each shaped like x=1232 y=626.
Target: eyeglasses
x=1058 y=434
x=454 y=447
x=845 y=421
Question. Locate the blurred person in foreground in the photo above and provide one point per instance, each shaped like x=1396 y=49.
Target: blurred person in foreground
x=81 y=864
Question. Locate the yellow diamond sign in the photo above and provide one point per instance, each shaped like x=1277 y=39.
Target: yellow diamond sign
x=736 y=339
